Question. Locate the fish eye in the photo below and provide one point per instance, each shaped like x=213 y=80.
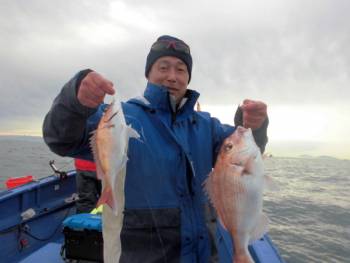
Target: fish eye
x=228 y=147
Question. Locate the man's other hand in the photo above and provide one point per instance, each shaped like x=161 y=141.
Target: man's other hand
x=254 y=113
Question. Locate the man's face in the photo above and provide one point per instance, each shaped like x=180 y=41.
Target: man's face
x=172 y=73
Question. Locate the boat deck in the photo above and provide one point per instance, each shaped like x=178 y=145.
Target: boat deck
x=32 y=216
x=50 y=252
x=262 y=251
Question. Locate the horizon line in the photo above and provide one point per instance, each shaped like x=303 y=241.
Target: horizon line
x=269 y=154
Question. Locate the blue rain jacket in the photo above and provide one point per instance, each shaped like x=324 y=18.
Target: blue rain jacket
x=168 y=165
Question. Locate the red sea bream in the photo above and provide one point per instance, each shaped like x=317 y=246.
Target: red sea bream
x=235 y=188
x=110 y=145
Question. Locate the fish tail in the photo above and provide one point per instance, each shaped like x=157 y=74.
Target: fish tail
x=241 y=253
x=107 y=198
x=243 y=258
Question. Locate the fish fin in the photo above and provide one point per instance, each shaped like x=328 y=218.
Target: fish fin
x=238 y=170
x=208 y=188
x=132 y=133
x=260 y=229
x=107 y=198
x=93 y=141
x=270 y=184
x=249 y=167
x=99 y=171
x=209 y=191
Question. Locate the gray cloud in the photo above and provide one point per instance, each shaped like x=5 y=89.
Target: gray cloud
x=277 y=51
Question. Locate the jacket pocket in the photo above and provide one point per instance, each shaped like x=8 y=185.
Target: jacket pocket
x=151 y=235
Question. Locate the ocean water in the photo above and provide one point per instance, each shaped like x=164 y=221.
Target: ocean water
x=309 y=214
x=25 y=155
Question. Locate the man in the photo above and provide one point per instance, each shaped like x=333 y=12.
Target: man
x=167 y=217
x=88 y=186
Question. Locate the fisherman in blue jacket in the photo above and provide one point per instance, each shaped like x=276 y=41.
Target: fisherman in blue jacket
x=167 y=216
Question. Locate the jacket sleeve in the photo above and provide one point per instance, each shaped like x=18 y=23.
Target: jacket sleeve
x=68 y=124
x=260 y=135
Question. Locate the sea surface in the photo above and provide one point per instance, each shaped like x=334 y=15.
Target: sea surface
x=309 y=214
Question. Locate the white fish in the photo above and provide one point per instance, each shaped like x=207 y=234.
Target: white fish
x=109 y=146
x=235 y=188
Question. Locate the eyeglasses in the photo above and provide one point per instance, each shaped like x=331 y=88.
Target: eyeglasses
x=174 y=44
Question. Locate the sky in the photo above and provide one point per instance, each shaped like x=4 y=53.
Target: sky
x=294 y=55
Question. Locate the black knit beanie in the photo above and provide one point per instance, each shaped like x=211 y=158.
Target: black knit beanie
x=153 y=55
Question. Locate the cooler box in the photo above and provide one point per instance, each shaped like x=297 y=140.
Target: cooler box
x=83 y=237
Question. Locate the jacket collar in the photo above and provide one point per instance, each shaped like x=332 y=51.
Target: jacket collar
x=157 y=97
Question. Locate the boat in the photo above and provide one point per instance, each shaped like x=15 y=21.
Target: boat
x=32 y=214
